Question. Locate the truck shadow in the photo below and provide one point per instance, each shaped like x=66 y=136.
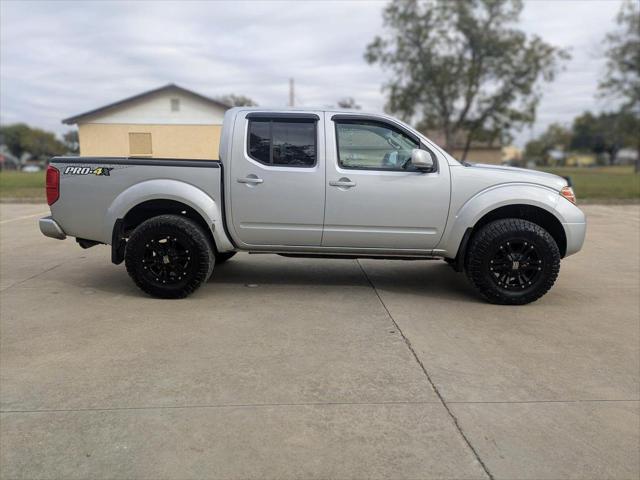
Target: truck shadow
x=430 y=279
x=424 y=278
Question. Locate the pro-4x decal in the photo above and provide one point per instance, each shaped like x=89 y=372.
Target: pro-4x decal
x=99 y=171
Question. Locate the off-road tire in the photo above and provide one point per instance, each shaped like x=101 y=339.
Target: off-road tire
x=485 y=245
x=223 y=257
x=189 y=236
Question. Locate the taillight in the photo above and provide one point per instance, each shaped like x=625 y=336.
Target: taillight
x=567 y=192
x=53 y=185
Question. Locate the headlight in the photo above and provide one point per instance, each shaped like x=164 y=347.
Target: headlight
x=567 y=192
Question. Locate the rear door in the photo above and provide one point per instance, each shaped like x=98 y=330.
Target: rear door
x=277 y=179
x=374 y=199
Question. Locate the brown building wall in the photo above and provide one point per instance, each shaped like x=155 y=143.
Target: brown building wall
x=167 y=141
x=480 y=155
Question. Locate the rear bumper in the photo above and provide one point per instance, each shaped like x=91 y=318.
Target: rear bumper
x=50 y=228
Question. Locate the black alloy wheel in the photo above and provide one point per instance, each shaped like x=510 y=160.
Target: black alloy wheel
x=169 y=256
x=166 y=259
x=512 y=261
x=516 y=264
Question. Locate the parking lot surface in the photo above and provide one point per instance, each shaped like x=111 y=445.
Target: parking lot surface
x=297 y=368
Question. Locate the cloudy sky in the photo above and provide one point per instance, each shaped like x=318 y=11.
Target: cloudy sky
x=62 y=58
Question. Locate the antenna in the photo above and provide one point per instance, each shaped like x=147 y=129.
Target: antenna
x=291 y=93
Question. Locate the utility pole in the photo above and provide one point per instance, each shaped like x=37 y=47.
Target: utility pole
x=291 y=93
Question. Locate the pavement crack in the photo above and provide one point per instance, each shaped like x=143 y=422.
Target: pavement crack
x=587 y=400
x=426 y=374
x=220 y=405
x=35 y=275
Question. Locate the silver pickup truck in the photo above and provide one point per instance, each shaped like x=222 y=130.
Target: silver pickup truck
x=317 y=183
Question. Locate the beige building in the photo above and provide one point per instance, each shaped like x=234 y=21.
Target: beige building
x=168 y=122
x=479 y=151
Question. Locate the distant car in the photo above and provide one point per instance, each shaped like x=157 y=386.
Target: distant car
x=31 y=168
x=318 y=183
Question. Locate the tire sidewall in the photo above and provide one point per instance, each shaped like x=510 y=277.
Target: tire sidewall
x=485 y=244
x=190 y=235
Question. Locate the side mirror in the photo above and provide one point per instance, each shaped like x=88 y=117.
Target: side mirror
x=421 y=159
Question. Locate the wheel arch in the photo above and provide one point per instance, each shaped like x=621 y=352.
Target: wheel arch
x=156 y=197
x=532 y=213
x=533 y=203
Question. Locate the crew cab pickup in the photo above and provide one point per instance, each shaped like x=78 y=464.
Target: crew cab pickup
x=317 y=183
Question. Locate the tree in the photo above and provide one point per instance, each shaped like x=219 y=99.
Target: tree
x=622 y=78
x=71 y=142
x=462 y=67
x=348 y=103
x=237 y=101
x=604 y=134
x=554 y=137
x=40 y=144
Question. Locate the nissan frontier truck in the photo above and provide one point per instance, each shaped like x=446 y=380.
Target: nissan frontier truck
x=317 y=183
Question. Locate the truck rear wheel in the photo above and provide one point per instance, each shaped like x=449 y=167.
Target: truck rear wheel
x=512 y=261
x=169 y=256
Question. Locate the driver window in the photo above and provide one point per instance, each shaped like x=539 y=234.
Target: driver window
x=373 y=146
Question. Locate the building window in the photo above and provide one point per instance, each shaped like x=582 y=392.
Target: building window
x=175 y=104
x=140 y=144
x=287 y=143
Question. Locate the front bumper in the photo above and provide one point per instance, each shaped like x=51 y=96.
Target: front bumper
x=574 y=223
x=50 y=228
x=575 y=233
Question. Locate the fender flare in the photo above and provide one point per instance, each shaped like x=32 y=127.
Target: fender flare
x=164 y=189
x=489 y=199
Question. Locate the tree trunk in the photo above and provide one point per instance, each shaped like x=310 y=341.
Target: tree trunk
x=467 y=145
x=447 y=140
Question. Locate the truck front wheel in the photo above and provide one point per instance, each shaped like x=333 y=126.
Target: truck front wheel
x=512 y=261
x=169 y=256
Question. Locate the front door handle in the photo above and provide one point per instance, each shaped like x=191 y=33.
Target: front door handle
x=251 y=180
x=343 y=183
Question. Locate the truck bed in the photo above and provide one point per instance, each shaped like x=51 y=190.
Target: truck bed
x=110 y=186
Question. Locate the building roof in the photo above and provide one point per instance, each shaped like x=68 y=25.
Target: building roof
x=171 y=87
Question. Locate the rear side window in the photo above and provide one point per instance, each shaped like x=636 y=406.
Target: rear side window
x=260 y=141
x=288 y=143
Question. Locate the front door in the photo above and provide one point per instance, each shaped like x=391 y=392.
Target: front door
x=374 y=199
x=277 y=179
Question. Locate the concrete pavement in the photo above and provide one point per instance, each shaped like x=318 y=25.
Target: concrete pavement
x=296 y=368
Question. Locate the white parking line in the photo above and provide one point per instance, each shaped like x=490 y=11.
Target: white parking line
x=22 y=218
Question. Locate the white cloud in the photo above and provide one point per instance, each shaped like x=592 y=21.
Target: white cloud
x=62 y=58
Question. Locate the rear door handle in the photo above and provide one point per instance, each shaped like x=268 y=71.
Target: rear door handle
x=250 y=180
x=343 y=182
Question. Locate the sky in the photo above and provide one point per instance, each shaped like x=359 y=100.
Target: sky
x=58 y=59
